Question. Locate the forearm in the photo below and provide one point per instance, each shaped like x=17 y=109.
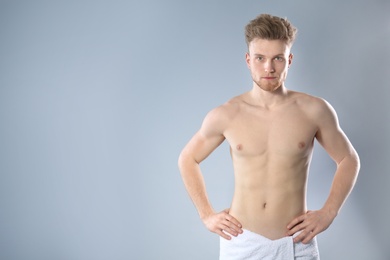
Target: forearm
x=343 y=183
x=195 y=185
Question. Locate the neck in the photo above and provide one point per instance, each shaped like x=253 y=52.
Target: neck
x=268 y=99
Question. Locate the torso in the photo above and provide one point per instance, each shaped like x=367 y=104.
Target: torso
x=271 y=151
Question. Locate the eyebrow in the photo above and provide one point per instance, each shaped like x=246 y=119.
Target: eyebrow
x=258 y=54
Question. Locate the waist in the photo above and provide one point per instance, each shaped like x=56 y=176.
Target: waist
x=268 y=214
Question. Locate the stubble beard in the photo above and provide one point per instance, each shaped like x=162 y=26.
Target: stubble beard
x=269 y=87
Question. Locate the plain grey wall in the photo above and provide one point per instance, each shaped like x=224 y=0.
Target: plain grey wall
x=97 y=98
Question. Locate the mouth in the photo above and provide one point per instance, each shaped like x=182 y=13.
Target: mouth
x=268 y=78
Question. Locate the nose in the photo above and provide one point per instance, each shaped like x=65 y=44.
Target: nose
x=269 y=66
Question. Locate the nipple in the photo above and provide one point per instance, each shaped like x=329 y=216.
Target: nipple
x=239 y=147
x=301 y=145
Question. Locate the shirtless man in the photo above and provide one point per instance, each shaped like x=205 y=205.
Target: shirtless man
x=271 y=131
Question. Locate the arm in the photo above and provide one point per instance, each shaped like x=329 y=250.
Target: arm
x=337 y=145
x=206 y=140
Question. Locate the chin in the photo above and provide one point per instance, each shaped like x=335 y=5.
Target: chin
x=269 y=88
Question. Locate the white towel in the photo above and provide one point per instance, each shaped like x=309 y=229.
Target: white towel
x=252 y=246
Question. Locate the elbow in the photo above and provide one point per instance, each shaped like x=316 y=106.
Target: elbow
x=186 y=162
x=182 y=161
x=351 y=163
x=357 y=161
x=354 y=163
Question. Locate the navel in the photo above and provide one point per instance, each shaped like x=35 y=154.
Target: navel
x=264 y=205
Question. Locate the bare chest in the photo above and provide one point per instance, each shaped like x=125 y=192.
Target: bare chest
x=286 y=133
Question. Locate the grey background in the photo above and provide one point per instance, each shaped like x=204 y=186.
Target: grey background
x=97 y=98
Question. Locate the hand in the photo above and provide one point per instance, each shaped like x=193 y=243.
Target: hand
x=310 y=224
x=223 y=221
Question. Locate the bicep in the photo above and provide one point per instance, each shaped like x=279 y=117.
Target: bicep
x=331 y=136
x=207 y=139
x=201 y=146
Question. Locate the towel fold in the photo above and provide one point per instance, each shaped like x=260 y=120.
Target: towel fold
x=252 y=246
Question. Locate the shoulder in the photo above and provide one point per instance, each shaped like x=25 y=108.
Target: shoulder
x=314 y=107
x=226 y=111
x=219 y=118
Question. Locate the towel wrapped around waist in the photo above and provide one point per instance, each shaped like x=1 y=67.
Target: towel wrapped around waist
x=252 y=246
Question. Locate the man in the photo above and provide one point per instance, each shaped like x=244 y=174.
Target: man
x=271 y=131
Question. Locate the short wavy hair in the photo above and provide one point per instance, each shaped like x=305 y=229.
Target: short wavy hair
x=269 y=27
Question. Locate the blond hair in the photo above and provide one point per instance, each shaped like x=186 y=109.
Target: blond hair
x=269 y=27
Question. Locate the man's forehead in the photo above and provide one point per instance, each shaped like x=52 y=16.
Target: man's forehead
x=263 y=46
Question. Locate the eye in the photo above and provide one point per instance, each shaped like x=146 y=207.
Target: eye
x=259 y=58
x=279 y=58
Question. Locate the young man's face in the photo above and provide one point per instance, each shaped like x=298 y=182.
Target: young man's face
x=268 y=62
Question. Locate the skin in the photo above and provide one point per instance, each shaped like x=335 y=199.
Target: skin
x=271 y=131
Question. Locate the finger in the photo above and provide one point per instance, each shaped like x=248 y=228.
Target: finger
x=309 y=237
x=231 y=222
x=223 y=235
x=299 y=238
x=234 y=221
x=231 y=230
x=296 y=221
x=294 y=230
x=298 y=227
x=305 y=236
x=234 y=230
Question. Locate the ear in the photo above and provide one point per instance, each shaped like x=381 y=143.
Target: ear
x=290 y=58
x=247 y=59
